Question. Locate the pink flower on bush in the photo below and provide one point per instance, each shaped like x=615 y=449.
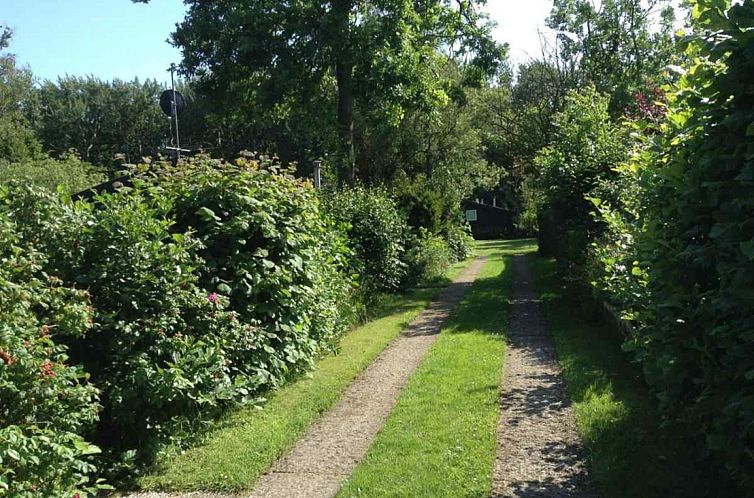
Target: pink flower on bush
x=213 y=297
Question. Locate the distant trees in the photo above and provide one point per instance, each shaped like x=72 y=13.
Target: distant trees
x=17 y=140
x=619 y=48
x=437 y=154
x=95 y=119
x=515 y=120
x=100 y=119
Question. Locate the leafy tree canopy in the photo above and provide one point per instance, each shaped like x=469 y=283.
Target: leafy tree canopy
x=320 y=62
x=100 y=119
x=17 y=141
x=620 y=46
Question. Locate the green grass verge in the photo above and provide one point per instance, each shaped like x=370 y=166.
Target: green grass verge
x=440 y=438
x=233 y=456
x=630 y=453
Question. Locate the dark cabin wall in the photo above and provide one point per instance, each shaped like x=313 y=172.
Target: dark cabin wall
x=492 y=222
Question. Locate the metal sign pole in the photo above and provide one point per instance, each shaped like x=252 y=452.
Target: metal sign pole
x=175 y=115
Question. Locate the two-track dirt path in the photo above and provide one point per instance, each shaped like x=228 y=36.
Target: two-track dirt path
x=539 y=451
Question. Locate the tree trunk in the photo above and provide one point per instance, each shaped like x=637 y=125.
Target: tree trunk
x=344 y=79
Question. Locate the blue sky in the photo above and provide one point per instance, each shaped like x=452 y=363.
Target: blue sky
x=119 y=39
x=106 y=38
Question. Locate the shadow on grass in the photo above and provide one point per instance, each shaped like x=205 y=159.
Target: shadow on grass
x=390 y=304
x=631 y=453
x=511 y=246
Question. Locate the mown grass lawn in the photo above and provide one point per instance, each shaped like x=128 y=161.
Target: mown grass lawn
x=440 y=440
x=249 y=440
x=630 y=453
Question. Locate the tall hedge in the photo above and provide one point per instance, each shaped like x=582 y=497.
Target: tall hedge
x=159 y=350
x=578 y=163
x=681 y=253
x=268 y=248
x=378 y=233
x=199 y=288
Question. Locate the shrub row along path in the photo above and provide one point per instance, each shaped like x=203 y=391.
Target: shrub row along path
x=334 y=445
x=539 y=451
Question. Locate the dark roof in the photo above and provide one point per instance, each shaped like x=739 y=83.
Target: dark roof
x=478 y=205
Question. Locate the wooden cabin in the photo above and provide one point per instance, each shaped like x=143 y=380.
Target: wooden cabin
x=488 y=221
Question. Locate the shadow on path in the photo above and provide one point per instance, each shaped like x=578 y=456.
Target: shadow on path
x=539 y=451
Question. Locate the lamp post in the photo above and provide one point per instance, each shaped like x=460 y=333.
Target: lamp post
x=318 y=173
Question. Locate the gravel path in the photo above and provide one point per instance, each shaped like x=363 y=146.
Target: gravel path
x=334 y=445
x=539 y=451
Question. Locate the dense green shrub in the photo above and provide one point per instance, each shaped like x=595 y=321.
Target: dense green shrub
x=578 y=163
x=458 y=239
x=700 y=244
x=377 y=234
x=17 y=141
x=427 y=202
x=163 y=352
x=680 y=257
x=46 y=404
x=428 y=257
x=69 y=172
x=49 y=224
x=424 y=208
x=207 y=287
x=267 y=248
